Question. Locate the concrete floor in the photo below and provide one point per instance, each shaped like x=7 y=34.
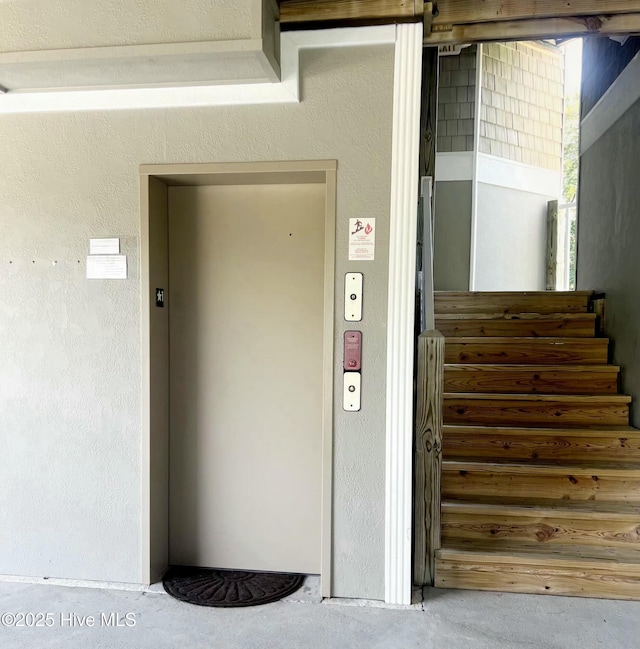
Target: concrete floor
x=446 y=620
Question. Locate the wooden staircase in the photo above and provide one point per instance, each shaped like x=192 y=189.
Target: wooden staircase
x=541 y=470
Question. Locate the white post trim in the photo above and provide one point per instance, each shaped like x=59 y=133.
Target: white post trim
x=476 y=161
x=400 y=323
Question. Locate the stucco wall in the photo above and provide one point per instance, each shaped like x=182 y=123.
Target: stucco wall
x=511 y=239
x=37 y=25
x=452 y=235
x=70 y=419
x=608 y=236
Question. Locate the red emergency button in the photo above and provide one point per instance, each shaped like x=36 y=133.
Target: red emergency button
x=352 y=350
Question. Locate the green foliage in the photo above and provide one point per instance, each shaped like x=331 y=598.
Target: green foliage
x=571 y=147
x=571 y=164
x=573 y=248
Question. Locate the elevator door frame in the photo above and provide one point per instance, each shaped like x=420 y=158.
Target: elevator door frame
x=154 y=183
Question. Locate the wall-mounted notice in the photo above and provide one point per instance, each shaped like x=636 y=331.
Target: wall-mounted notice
x=107 y=267
x=362 y=239
x=104 y=246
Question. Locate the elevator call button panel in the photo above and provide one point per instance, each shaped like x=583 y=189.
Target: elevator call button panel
x=351 y=396
x=353 y=297
x=352 y=351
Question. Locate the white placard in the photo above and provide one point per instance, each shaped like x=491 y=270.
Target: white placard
x=104 y=246
x=107 y=267
x=362 y=239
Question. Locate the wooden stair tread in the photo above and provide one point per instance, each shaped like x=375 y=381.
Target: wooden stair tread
x=575 y=570
x=575 y=325
x=526 y=467
x=512 y=294
x=500 y=551
x=515 y=316
x=583 y=443
x=548 y=301
x=513 y=367
x=580 y=431
x=505 y=378
x=535 y=409
x=520 y=349
x=547 y=508
x=494 y=340
x=561 y=398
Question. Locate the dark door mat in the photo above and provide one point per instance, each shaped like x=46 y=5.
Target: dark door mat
x=229 y=588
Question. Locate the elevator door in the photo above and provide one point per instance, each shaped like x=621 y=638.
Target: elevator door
x=246 y=268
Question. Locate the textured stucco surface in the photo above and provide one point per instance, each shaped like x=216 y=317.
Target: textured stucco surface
x=511 y=239
x=136 y=71
x=70 y=355
x=608 y=236
x=452 y=235
x=36 y=25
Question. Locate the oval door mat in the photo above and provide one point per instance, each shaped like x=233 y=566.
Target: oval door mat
x=229 y=588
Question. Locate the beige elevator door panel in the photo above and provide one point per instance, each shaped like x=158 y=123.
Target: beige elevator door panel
x=246 y=267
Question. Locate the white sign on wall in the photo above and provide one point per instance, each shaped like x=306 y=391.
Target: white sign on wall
x=105 y=261
x=362 y=239
x=104 y=246
x=107 y=267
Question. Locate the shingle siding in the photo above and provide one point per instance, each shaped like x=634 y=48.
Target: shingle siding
x=522 y=109
x=456 y=101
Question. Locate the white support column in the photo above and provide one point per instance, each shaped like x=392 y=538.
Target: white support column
x=476 y=168
x=400 y=332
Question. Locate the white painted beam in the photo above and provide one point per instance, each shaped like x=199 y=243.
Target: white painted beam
x=287 y=91
x=522 y=177
x=454 y=166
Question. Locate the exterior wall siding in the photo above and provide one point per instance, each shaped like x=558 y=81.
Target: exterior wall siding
x=523 y=103
x=456 y=101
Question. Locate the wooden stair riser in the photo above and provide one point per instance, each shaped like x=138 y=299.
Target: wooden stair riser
x=503 y=379
x=534 y=302
x=571 y=484
x=514 y=327
x=554 y=528
x=533 y=351
x=497 y=412
x=465 y=442
x=537 y=579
